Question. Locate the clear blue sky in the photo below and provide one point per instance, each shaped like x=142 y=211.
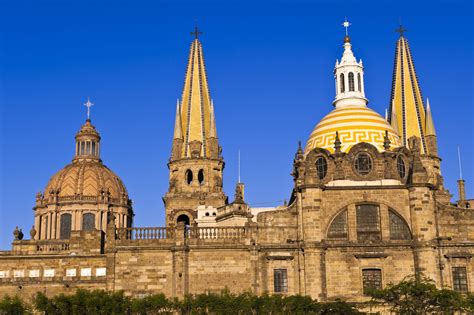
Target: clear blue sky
x=270 y=71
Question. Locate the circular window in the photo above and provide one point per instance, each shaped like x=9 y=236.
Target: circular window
x=363 y=164
x=401 y=167
x=321 y=167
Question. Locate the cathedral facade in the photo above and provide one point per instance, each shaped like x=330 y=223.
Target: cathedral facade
x=368 y=207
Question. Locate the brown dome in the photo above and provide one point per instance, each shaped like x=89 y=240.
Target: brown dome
x=86 y=178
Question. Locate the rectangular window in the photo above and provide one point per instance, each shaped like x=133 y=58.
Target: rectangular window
x=18 y=273
x=371 y=279
x=48 y=273
x=460 y=279
x=368 y=223
x=86 y=272
x=88 y=147
x=4 y=274
x=100 y=272
x=93 y=148
x=280 y=280
x=82 y=147
x=71 y=272
x=34 y=273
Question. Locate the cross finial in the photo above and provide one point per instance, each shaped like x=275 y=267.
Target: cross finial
x=88 y=104
x=196 y=32
x=401 y=30
x=346 y=24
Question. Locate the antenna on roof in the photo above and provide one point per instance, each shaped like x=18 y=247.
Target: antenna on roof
x=460 y=166
x=238 y=166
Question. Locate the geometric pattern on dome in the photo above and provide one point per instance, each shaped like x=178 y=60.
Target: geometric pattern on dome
x=354 y=125
x=86 y=178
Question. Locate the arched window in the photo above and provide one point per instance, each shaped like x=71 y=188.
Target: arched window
x=368 y=222
x=351 y=82
x=401 y=167
x=201 y=176
x=359 y=83
x=321 y=167
x=82 y=147
x=342 y=83
x=363 y=163
x=338 y=228
x=88 y=221
x=189 y=177
x=183 y=218
x=65 y=229
x=398 y=228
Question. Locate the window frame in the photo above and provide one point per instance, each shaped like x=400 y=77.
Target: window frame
x=351 y=80
x=324 y=170
x=344 y=213
x=457 y=284
x=370 y=164
x=363 y=278
x=363 y=230
x=280 y=280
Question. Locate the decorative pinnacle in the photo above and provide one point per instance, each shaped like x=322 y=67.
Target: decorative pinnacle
x=196 y=32
x=386 y=141
x=88 y=104
x=337 y=143
x=346 y=24
x=401 y=30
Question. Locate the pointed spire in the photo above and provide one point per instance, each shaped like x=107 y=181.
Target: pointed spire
x=406 y=98
x=178 y=132
x=394 y=120
x=196 y=113
x=430 y=128
x=213 y=130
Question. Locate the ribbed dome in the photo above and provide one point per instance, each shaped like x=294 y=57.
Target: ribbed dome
x=354 y=124
x=86 y=178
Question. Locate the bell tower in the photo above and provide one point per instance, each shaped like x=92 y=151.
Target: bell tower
x=196 y=164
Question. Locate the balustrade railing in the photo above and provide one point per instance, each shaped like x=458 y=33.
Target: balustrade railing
x=145 y=233
x=216 y=232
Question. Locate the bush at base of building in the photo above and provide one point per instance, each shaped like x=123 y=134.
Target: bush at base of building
x=102 y=302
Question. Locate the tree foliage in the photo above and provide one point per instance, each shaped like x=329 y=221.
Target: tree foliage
x=12 y=305
x=419 y=295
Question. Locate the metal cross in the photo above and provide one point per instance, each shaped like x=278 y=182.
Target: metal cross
x=196 y=32
x=346 y=24
x=401 y=30
x=88 y=104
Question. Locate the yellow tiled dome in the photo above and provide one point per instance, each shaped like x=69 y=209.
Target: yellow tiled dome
x=354 y=124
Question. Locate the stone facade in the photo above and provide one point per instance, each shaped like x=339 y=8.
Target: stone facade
x=359 y=217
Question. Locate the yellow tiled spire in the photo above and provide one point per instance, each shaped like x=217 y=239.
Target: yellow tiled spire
x=195 y=107
x=406 y=99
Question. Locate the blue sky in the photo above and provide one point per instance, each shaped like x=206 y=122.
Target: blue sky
x=270 y=71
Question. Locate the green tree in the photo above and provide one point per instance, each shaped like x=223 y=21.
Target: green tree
x=13 y=306
x=418 y=295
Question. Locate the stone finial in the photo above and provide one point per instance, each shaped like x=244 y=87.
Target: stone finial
x=299 y=152
x=20 y=235
x=386 y=141
x=239 y=193
x=32 y=233
x=16 y=233
x=337 y=143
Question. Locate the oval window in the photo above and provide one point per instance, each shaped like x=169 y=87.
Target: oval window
x=363 y=163
x=189 y=177
x=401 y=167
x=201 y=177
x=321 y=167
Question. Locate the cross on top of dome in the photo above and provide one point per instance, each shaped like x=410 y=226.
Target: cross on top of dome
x=88 y=104
x=346 y=24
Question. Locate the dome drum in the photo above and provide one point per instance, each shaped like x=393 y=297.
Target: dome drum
x=363 y=162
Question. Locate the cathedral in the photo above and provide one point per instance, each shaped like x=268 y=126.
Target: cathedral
x=367 y=208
